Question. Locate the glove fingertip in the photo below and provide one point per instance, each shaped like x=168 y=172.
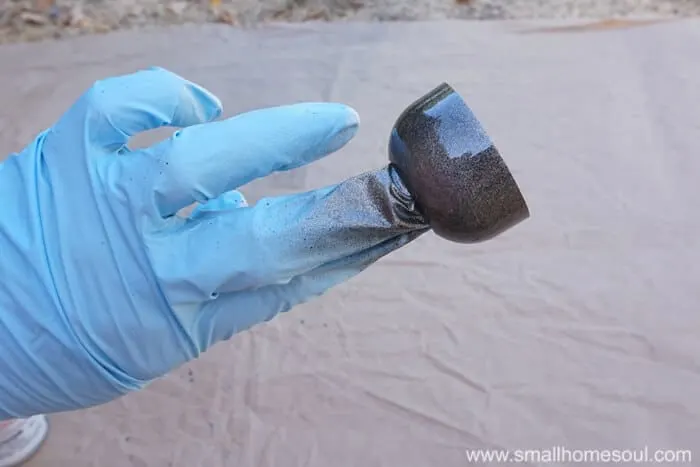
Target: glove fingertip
x=203 y=106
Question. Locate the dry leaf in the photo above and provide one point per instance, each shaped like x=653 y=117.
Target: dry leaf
x=226 y=17
x=44 y=5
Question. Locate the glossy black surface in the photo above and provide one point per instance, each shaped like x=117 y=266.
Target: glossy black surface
x=458 y=179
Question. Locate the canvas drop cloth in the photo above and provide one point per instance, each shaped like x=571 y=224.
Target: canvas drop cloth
x=579 y=328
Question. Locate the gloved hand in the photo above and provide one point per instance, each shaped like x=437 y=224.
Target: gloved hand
x=104 y=288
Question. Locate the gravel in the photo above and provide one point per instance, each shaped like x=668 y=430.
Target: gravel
x=31 y=20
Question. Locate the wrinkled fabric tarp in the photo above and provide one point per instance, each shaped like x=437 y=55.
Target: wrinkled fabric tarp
x=579 y=328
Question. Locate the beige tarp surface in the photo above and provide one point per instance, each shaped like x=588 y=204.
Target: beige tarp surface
x=579 y=328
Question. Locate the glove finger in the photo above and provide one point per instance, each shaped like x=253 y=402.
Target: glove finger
x=280 y=238
x=235 y=312
x=230 y=200
x=203 y=161
x=114 y=109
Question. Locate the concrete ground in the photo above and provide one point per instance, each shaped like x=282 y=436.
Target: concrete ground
x=31 y=20
x=578 y=329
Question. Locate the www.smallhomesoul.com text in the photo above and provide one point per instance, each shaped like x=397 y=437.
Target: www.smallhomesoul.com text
x=559 y=455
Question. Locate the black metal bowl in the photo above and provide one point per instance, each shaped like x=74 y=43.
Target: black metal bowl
x=458 y=179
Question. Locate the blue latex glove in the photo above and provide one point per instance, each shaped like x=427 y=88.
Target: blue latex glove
x=104 y=288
